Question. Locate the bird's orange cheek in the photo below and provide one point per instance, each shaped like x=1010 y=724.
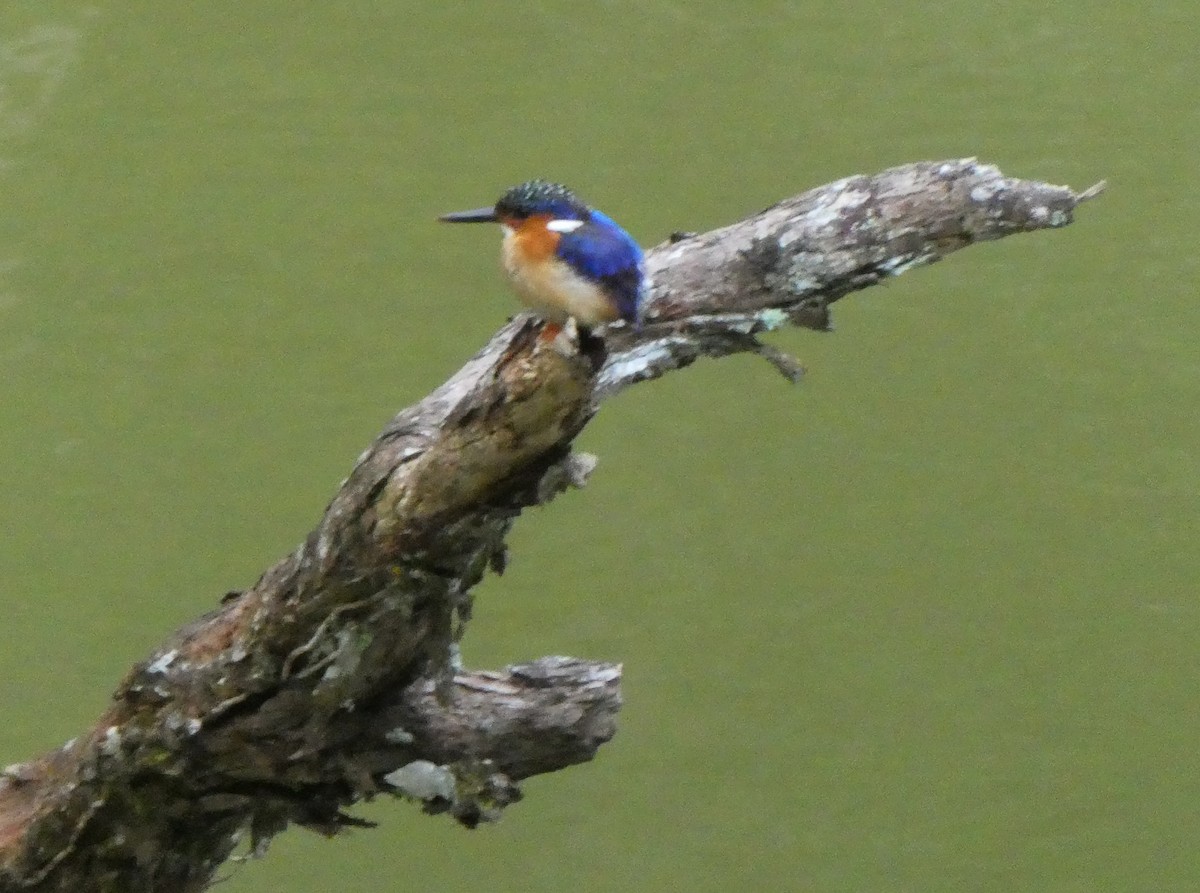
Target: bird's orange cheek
x=535 y=243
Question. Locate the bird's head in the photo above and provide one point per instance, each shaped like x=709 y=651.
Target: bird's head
x=535 y=203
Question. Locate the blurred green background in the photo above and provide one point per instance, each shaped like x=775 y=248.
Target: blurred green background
x=926 y=622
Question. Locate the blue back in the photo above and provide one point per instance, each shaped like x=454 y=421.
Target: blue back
x=603 y=252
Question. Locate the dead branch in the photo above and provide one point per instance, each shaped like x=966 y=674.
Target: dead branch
x=333 y=678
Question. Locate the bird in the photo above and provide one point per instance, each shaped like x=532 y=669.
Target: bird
x=564 y=259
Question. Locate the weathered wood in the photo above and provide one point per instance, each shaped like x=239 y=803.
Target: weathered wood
x=333 y=678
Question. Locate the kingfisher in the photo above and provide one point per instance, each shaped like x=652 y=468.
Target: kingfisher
x=564 y=259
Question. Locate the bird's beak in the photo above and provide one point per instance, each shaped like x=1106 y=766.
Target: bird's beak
x=479 y=215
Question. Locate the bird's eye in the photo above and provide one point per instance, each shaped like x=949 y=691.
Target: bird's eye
x=520 y=215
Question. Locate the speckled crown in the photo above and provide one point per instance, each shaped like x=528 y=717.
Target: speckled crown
x=541 y=197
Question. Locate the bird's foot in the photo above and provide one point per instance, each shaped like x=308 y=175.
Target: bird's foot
x=570 y=339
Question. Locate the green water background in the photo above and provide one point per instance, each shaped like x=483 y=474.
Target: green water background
x=926 y=622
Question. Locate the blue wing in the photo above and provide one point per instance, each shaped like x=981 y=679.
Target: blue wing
x=605 y=253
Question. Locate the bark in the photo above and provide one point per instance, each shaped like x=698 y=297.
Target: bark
x=333 y=678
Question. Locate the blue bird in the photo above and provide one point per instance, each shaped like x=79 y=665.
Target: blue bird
x=564 y=259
